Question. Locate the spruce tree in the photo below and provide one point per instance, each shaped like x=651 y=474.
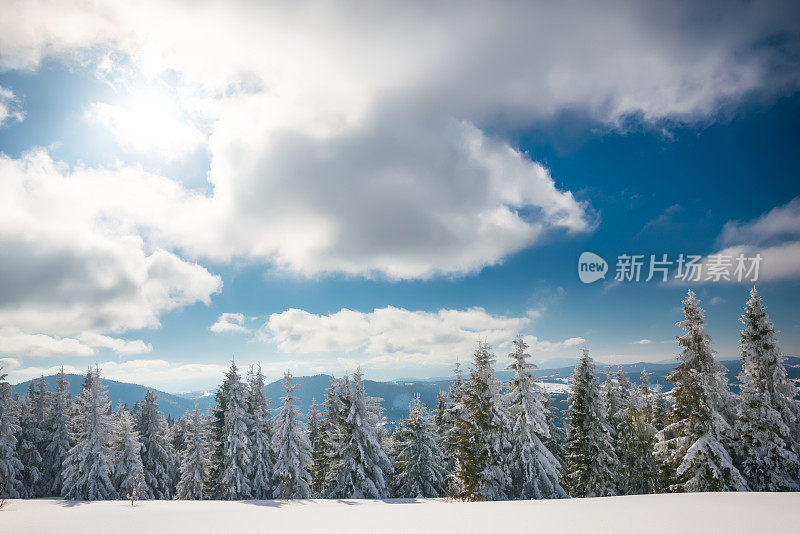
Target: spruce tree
x=10 y=465
x=330 y=434
x=128 y=469
x=535 y=472
x=259 y=431
x=232 y=473
x=453 y=424
x=315 y=438
x=693 y=450
x=29 y=439
x=292 y=448
x=58 y=438
x=638 y=473
x=89 y=464
x=194 y=463
x=659 y=408
x=484 y=433
x=590 y=463
x=767 y=412
x=360 y=464
x=156 y=454
x=417 y=459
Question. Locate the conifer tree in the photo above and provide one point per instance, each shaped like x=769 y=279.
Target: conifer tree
x=483 y=437
x=89 y=464
x=58 y=438
x=232 y=474
x=128 y=469
x=315 y=438
x=638 y=473
x=659 y=408
x=590 y=462
x=693 y=450
x=156 y=454
x=194 y=463
x=416 y=457
x=768 y=411
x=259 y=431
x=337 y=406
x=29 y=437
x=360 y=463
x=292 y=448
x=450 y=431
x=10 y=465
x=535 y=472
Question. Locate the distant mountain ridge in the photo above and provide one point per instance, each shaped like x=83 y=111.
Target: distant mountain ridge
x=396 y=394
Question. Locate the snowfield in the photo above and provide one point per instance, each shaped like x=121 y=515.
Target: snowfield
x=684 y=513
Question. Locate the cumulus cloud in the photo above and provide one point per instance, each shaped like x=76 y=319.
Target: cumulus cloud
x=9 y=107
x=775 y=236
x=79 y=269
x=398 y=336
x=230 y=323
x=331 y=156
x=643 y=342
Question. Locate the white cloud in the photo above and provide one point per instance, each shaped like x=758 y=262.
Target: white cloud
x=388 y=336
x=9 y=107
x=331 y=156
x=230 y=323
x=774 y=235
x=781 y=223
x=148 y=127
x=643 y=342
x=13 y=341
x=79 y=269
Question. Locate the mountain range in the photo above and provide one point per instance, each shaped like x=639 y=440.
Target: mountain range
x=396 y=394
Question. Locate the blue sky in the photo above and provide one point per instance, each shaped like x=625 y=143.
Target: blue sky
x=314 y=205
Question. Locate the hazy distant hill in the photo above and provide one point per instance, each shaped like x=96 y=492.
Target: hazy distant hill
x=396 y=394
x=120 y=392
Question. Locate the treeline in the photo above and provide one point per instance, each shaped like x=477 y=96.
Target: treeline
x=484 y=441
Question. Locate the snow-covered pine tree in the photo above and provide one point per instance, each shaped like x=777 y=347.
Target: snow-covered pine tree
x=89 y=464
x=659 y=408
x=337 y=406
x=767 y=412
x=638 y=473
x=483 y=439
x=360 y=465
x=176 y=437
x=322 y=450
x=590 y=462
x=232 y=474
x=693 y=450
x=29 y=438
x=535 y=472
x=644 y=394
x=128 y=469
x=417 y=459
x=292 y=448
x=315 y=438
x=58 y=438
x=41 y=400
x=259 y=431
x=194 y=464
x=156 y=454
x=450 y=431
x=10 y=465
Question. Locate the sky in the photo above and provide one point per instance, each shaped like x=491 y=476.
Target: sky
x=319 y=186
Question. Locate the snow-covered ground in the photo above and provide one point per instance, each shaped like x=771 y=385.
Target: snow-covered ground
x=708 y=513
